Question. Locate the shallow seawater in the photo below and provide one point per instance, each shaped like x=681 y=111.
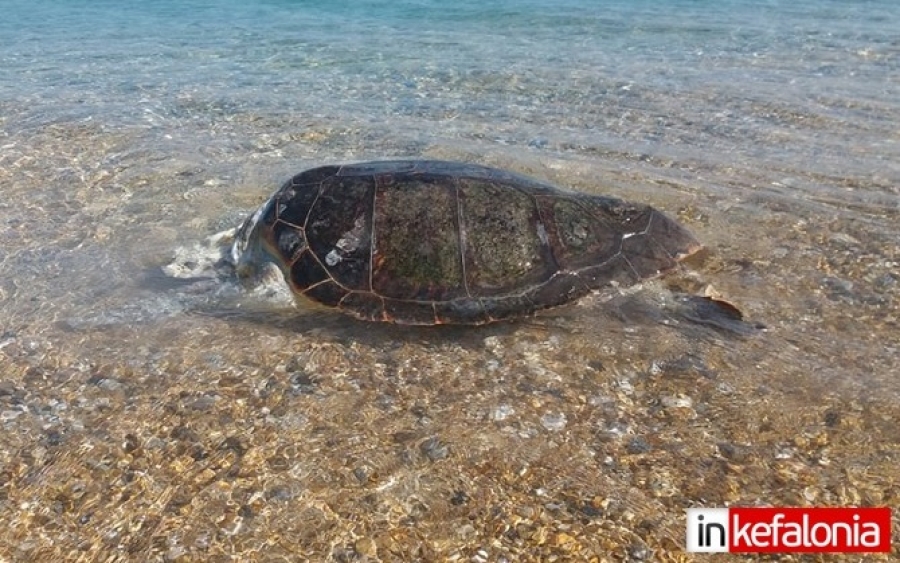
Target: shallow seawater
x=146 y=419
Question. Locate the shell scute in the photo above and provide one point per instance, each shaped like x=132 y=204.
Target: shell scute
x=314 y=176
x=339 y=231
x=504 y=249
x=411 y=312
x=364 y=305
x=307 y=271
x=289 y=241
x=417 y=247
x=461 y=311
x=327 y=293
x=294 y=201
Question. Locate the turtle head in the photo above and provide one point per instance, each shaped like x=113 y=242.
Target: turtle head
x=251 y=253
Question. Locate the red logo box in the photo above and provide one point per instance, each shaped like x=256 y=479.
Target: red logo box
x=789 y=530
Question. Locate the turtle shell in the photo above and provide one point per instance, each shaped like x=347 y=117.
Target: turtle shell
x=434 y=242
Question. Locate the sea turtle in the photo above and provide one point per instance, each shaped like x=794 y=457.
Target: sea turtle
x=427 y=242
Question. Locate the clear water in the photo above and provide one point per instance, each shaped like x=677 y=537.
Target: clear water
x=130 y=131
x=238 y=96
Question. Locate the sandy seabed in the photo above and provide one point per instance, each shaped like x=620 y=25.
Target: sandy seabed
x=147 y=423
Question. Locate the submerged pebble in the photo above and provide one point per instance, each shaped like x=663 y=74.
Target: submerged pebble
x=554 y=422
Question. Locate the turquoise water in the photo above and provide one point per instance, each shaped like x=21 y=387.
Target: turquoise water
x=575 y=65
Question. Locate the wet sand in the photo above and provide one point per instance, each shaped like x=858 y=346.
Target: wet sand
x=144 y=422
